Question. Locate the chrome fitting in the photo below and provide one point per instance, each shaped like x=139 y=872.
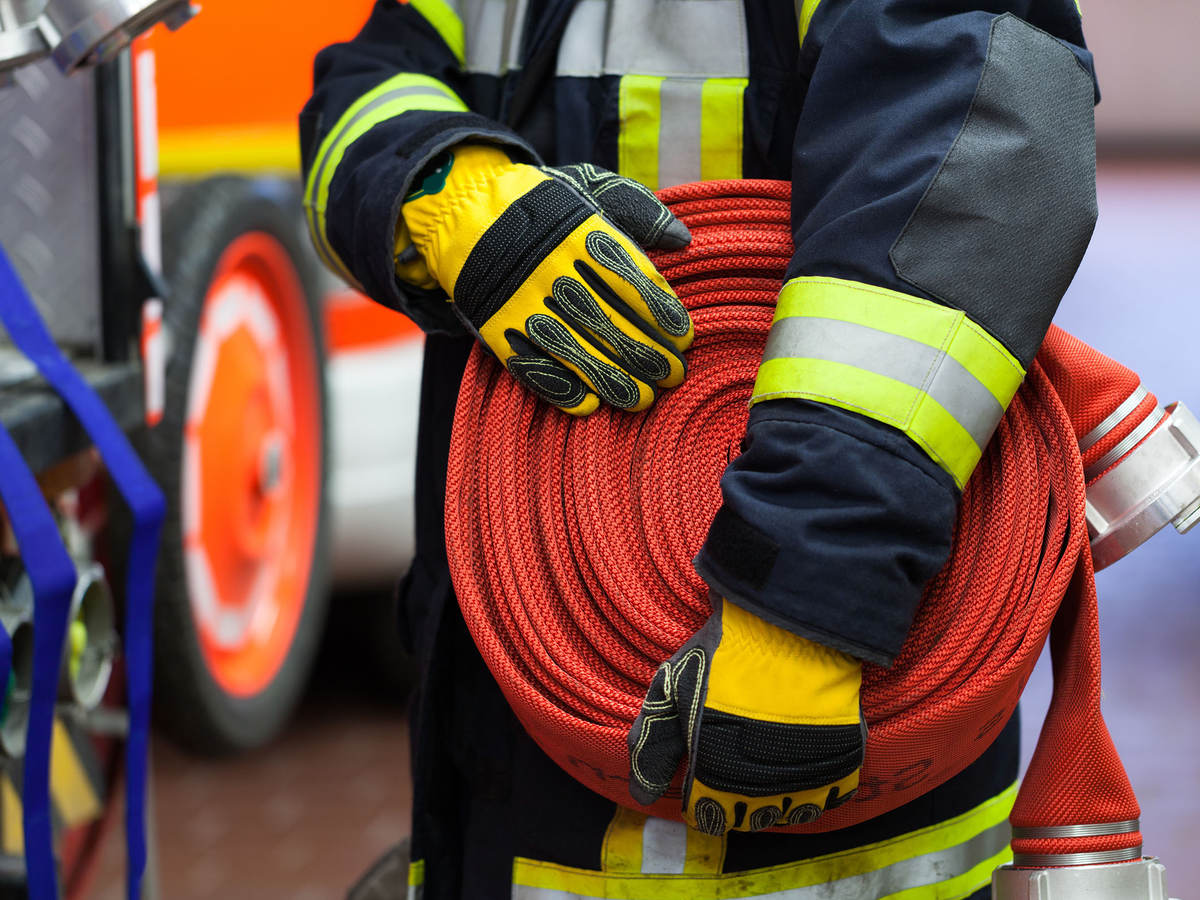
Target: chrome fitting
x=21 y=41
x=1156 y=484
x=91 y=644
x=86 y=32
x=1140 y=879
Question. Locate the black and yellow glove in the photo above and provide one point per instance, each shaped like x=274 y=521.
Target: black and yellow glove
x=543 y=265
x=769 y=722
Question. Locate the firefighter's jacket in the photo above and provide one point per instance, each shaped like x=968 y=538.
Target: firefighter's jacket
x=941 y=155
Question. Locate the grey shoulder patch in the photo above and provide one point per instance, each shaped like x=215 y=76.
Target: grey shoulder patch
x=1003 y=226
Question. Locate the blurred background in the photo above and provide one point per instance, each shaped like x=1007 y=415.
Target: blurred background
x=304 y=816
x=280 y=755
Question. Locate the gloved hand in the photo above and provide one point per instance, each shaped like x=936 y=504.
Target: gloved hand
x=769 y=722
x=540 y=265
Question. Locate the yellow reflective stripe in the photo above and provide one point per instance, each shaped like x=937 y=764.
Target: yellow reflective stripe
x=705 y=853
x=399 y=94
x=919 y=366
x=12 y=829
x=804 y=14
x=416 y=880
x=721 y=128
x=915 y=413
x=622 y=848
x=640 y=108
x=544 y=879
x=76 y=799
x=445 y=22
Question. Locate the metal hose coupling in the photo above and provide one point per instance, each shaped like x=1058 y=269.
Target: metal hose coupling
x=92 y=641
x=1149 y=480
x=16 y=617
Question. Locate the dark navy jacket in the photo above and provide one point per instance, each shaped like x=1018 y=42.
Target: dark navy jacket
x=859 y=103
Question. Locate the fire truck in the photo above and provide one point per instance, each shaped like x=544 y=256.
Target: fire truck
x=150 y=207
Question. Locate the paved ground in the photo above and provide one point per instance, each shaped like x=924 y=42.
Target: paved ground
x=303 y=818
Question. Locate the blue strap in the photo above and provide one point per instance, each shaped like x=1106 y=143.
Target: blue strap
x=147 y=506
x=52 y=576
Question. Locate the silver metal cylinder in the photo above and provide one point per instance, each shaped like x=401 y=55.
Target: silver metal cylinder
x=1156 y=484
x=91 y=644
x=1142 y=879
x=91 y=31
x=21 y=41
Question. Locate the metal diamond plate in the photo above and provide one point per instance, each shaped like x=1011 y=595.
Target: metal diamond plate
x=49 y=217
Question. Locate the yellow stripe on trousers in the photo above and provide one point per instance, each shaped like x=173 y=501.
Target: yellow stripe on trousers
x=948 y=861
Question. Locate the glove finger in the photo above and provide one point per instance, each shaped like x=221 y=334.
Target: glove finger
x=656 y=743
x=638 y=352
x=629 y=205
x=611 y=383
x=640 y=286
x=548 y=378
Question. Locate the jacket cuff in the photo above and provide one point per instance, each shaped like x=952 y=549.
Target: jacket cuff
x=369 y=188
x=831 y=526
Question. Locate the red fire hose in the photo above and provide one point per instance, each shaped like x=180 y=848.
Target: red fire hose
x=571 y=542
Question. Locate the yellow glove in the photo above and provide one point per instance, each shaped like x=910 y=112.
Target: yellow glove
x=542 y=266
x=769 y=722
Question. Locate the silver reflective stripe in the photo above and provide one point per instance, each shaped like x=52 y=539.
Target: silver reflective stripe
x=902 y=359
x=1128 y=405
x=493 y=31
x=581 y=53
x=514 y=30
x=906 y=874
x=679 y=131
x=664 y=846
x=690 y=38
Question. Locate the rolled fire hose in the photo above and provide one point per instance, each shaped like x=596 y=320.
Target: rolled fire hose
x=570 y=543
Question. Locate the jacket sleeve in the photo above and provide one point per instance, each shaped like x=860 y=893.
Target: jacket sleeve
x=383 y=105
x=943 y=197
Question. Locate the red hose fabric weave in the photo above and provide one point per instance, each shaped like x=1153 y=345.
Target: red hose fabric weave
x=571 y=540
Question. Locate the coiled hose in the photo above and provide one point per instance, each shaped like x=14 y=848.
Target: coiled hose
x=571 y=540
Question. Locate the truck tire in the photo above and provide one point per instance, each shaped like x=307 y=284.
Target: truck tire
x=241 y=453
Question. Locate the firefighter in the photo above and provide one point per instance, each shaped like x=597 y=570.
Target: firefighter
x=486 y=167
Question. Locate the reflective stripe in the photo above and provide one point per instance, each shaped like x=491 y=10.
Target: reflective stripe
x=581 y=53
x=676 y=38
x=921 y=367
x=416 y=880
x=902 y=359
x=1128 y=405
x=676 y=130
x=395 y=96
x=445 y=21
x=664 y=846
x=636 y=843
x=804 y=14
x=721 y=120
x=679 y=131
x=947 y=861
x=637 y=144
x=493 y=33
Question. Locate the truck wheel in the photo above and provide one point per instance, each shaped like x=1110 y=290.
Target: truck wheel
x=241 y=453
